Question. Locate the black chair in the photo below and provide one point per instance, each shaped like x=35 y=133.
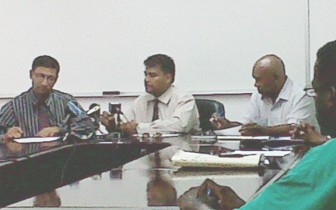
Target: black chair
x=206 y=108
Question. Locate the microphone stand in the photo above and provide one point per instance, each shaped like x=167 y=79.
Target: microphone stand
x=118 y=119
x=67 y=120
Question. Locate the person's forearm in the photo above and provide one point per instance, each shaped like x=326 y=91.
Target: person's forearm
x=168 y=125
x=278 y=130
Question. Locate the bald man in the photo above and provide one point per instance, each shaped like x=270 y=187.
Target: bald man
x=278 y=103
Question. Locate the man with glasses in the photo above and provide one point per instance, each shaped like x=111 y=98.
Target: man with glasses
x=41 y=111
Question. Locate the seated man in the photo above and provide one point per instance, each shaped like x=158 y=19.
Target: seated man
x=278 y=103
x=311 y=184
x=163 y=108
x=41 y=111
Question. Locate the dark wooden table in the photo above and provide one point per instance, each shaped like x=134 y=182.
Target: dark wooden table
x=27 y=170
x=105 y=174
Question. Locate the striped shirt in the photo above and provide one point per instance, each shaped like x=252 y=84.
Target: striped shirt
x=22 y=112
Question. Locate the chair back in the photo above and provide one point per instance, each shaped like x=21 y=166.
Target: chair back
x=206 y=107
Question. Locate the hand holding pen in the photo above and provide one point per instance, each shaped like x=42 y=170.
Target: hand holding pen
x=218 y=121
x=217 y=196
x=308 y=133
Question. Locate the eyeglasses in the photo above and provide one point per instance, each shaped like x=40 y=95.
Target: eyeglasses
x=50 y=79
x=312 y=91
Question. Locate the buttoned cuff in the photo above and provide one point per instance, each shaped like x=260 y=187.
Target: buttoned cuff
x=144 y=128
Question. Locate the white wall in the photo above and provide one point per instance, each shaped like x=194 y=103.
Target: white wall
x=322 y=26
x=101 y=44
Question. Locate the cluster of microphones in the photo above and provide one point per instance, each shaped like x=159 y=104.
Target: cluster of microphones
x=94 y=112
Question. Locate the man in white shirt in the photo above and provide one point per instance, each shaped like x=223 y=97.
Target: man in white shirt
x=175 y=111
x=278 y=104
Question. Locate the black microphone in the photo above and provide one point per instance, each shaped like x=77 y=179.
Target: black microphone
x=116 y=109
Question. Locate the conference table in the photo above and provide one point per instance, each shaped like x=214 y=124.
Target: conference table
x=120 y=173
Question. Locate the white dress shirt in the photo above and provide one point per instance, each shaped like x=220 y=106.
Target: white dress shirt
x=291 y=106
x=177 y=112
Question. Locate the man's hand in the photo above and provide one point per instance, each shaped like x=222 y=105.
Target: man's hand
x=252 y=129
x=222 y=123
x=49 y=131
x=108 y=121
x=210 y=196
x=12 y=133
x=308 y=133
x=13 y=146
x=218 y=197
x=129 y=128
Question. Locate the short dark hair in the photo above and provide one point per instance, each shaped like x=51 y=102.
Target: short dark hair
x=326 y=66
x=165 y=62
x=47 y=62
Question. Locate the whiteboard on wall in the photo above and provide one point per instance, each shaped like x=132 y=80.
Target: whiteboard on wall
x=322 y=27
x=101 y=44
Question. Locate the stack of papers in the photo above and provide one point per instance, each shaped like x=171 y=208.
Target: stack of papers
x=191 y=159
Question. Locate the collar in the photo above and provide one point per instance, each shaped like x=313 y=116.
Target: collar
x=164 y=98
x=34 y=100
x=285 y=91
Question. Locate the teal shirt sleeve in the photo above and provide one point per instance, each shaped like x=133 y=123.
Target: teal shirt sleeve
x=310 y=185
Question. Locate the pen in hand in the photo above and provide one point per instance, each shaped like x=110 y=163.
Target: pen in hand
x=233 y=155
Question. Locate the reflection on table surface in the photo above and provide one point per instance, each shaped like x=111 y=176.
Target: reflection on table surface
x=153 y=181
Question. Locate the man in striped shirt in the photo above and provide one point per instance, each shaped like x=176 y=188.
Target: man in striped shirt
x=41 y=110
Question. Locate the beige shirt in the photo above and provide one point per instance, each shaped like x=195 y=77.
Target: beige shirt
x=177 y=112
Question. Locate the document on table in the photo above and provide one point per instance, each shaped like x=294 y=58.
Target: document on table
x=243 y=137
x=192 y=159
x=265 y=153
x=164 y=135
x=36 y=139
x=234 y=131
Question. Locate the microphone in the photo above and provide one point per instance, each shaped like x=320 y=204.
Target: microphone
x=115 y=108
x=94 y=113
x=72 y=110
x=94 y=110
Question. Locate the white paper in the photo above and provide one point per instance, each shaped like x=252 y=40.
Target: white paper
x=234 y=131
x=164 y=135
x=191 y=159
x=36 y=139
x=265 y=153
x=243 y=137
